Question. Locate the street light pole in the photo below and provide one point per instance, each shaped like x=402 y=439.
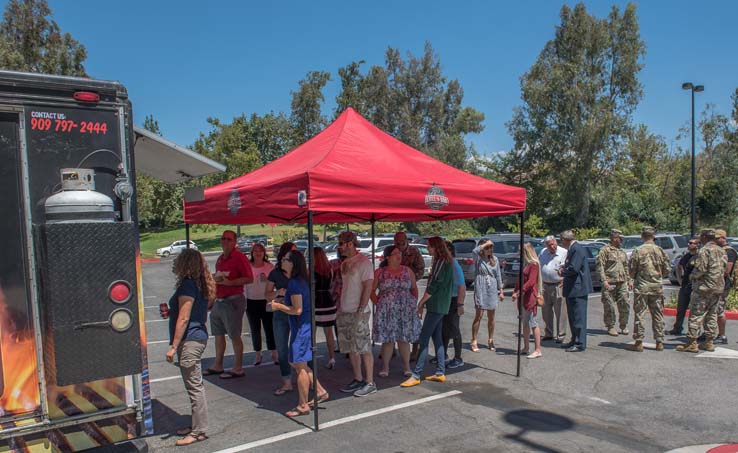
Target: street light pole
x=693 y=215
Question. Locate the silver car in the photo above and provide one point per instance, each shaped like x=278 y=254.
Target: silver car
x=174 y=248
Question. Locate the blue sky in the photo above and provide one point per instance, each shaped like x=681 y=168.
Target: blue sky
x=187 y=60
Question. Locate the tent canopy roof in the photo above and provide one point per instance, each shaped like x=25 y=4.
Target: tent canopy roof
x=353 y=172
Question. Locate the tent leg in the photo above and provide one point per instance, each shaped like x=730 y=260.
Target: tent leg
x=187 y=235
x=373 y=236
x=311 y=271
x=520 y=293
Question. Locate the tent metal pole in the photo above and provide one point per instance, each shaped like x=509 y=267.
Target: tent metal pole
x=311 y=271
x=373 y=235
x=520 y=292
x=187 y=235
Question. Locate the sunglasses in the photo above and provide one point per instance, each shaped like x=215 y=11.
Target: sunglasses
x=285 y=259
x=226 y=239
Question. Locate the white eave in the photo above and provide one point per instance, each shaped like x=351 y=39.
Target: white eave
x=169 y=161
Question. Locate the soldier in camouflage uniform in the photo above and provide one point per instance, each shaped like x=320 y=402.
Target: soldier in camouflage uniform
x=612 y=266
x=708 y=281
x=648 y=265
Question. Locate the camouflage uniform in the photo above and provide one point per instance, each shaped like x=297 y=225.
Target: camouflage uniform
x=612 y=265
x=648 y=265
x=708 y=281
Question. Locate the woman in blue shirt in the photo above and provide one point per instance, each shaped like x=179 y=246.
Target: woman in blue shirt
x=188 y=335
x=297 y=306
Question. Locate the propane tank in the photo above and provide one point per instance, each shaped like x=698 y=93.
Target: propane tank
x=78 y=201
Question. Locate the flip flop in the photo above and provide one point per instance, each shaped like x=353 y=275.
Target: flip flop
x=383 y=374
x=210 y=372
x=474 y=347
x=281 y=391
x=296 y=412
x=190 y=439
x=232 y=375
x=321 y=399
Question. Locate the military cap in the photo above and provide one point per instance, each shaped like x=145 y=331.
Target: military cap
x=708 y=231
x=721 y=234
x=615 y=232
x=648 y=230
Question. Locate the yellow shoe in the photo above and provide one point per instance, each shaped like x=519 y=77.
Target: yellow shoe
x=410 y=382
x=436 y=378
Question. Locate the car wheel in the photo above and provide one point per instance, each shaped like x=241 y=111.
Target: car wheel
x=165 y=253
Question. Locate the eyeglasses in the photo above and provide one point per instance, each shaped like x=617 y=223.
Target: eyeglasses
x=226 y=239
x=692 y=243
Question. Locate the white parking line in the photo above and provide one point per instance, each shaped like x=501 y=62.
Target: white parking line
x=599 y=400
x=158 y=320
x=340 y=421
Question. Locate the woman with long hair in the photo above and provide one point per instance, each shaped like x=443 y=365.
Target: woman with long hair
x=256 y=311
x=395 y=316
x=436 y=299
x=296 y=305
x=487 y=291
x=325 y=306
x=275 y=288
x=188 y=335
x=531 y=289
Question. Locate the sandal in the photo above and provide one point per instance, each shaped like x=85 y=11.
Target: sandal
x=321 y=399
x=184 y=431
x=473 y=346
x=281 y=391
x=211 y=372
x=232 y=375
x=383 y=374
x=190 y=439
x=296 y=412
x=491 y=345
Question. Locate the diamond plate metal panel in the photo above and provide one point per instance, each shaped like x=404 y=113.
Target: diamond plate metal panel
x=78 y=263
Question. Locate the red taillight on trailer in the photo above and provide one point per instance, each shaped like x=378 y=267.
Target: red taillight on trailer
x=120 y=292
x=86 y=96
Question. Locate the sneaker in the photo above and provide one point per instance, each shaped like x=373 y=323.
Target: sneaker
x=353 y=386
x=455 y=363
x=366 y=389
x=723 y=339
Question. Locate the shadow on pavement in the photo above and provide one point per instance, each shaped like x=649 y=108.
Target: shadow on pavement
x=535 y=420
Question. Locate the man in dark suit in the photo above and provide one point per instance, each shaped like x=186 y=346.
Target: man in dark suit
x=577 y=286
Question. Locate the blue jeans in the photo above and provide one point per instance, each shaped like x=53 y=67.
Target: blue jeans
x=282 y=340
x=432 y=328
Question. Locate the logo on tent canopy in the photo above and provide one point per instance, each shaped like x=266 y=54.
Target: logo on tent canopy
x=436 y=198
x=234 y=202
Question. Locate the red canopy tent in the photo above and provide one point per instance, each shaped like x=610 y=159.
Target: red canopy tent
x=353 y=172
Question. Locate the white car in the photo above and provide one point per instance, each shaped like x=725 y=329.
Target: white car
x=174 y=248
x=365 y=245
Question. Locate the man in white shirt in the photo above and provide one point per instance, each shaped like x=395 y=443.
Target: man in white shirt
x=551 y=259
x=353 y=317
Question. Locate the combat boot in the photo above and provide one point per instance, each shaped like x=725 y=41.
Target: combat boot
x=707 y=345
x=637 y=347
x=659 y=346
x=689 y=347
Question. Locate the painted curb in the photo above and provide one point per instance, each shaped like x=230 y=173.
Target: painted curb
x=728 y=314
x=150 y=260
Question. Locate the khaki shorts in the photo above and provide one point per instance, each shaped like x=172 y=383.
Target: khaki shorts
x=226 y=317
x=354 y=332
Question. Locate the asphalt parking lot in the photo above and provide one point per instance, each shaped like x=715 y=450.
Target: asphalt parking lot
x=605 y=399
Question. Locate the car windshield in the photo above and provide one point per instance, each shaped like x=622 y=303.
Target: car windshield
x=422 y=249
x=365 y=243
x=464 y=246
x=506 y=247
x=631 y=243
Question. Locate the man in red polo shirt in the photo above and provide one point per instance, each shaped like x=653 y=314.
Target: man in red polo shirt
x=232 y=271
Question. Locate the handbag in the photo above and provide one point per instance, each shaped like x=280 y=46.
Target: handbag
x=539 y=300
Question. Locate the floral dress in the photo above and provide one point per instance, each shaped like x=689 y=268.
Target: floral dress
x=396 y=314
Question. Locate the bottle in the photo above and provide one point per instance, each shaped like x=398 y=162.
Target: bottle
x=164 y=310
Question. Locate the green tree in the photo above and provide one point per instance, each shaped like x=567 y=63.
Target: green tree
x=31 y=41
x=307 y=119
x=413 y=101
x=578 y=98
